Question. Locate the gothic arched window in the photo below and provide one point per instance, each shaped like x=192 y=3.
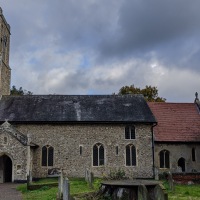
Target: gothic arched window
x=98 y=154
x=164 y=159
x=47 y=155
x=130 y=155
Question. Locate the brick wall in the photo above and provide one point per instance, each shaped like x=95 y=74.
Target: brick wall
x=186 y=177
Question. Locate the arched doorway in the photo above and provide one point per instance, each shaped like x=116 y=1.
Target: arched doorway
x=181 y=164
x=5 y=169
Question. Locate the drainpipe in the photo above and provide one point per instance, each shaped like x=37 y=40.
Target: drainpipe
x=153 y=149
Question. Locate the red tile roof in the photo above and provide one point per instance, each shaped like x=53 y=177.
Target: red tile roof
x=177 y=122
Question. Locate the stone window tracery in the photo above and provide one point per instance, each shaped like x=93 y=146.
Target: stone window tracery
x=130 y=155
x=130 y=132
x=47 y=155
x=98 y=154
x=164 y=159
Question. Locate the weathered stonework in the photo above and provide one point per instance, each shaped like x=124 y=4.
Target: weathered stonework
x=176 y=152
x=17 y=152
x=5 y=71
x=66 y=139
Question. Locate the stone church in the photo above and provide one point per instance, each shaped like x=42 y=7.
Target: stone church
x=102 y=133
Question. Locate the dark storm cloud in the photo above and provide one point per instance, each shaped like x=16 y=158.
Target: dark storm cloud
x=145 y=26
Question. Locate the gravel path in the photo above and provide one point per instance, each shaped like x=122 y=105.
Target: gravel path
x=8 y=192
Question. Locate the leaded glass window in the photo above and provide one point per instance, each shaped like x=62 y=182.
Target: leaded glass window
x=130 y=155
x=98 y=154
x=164 y=159
x=130 y=132
x=47 y=155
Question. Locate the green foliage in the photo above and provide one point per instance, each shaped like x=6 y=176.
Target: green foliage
x=44 y=188
x=116 y=175
x=77 y=186
x=44 y=193
x=150 y=92
x=45 y=181
x=183 y=192
x=19 y=92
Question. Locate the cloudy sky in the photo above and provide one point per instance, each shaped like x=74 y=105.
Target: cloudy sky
x=96 y=47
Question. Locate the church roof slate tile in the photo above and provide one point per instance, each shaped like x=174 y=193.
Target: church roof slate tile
x=75 y=108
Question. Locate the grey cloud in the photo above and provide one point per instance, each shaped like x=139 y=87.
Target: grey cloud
x=111 y=35
x=146 y=26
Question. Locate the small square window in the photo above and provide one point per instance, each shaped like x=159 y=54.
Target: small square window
x=129 y=132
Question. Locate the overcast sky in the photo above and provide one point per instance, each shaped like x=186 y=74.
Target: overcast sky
x=98 y=46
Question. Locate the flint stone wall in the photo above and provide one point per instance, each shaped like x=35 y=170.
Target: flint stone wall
x=17 y=153
x=177 y=151
x=5 y=72
x=67 y=139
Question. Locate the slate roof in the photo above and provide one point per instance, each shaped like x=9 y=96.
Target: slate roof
x=75 y=108
x=177 y=122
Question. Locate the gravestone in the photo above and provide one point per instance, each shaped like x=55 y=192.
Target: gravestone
x=91 y=179
x=143 y=193
x=60 y=185
x=66 y=189
x=156 y=174
x=159 y=194
x=171 y=181
x=86 y=175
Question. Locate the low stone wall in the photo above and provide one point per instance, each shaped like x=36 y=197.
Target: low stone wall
x=185 y=178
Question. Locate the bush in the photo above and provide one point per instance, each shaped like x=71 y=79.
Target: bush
x=116 y=175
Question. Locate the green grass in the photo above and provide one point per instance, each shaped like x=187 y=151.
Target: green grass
x=45 y=180
x=183 y=192
x=77 y=186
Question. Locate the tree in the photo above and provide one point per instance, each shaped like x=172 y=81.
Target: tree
x=19 y=92
x=150 y=93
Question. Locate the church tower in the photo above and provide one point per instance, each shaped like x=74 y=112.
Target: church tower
x=5 y=71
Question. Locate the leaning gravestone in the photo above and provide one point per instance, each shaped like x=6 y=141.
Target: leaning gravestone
x=143 y=193
x=91 y=179
x=171 y=181
x=159 y=194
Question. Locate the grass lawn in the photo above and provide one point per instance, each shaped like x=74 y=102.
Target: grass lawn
x=77 y=186
x=184 y=192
